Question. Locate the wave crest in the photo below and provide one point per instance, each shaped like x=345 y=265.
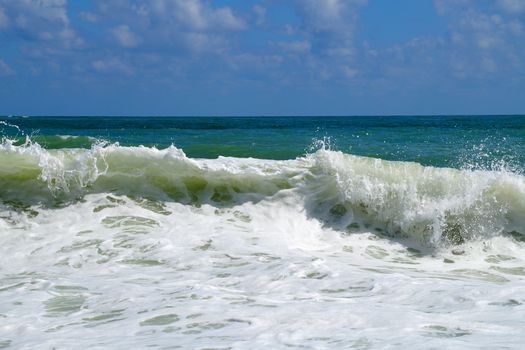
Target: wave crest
x=430 y=203
x=347 y=192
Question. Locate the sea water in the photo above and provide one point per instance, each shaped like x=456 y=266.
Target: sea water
x=262 y=233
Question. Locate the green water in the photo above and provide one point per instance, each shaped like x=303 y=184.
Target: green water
x=453 y=141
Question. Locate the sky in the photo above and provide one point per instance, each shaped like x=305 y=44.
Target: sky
x=262 y=57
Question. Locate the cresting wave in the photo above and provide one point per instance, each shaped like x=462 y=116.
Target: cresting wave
x=346 y=192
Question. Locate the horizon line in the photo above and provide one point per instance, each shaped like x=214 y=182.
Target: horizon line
x=254 y=116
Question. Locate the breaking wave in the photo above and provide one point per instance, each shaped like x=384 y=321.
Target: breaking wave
x=346 y=192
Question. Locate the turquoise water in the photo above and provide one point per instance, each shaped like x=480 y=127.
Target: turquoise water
x=453 y=141
x=262 y=233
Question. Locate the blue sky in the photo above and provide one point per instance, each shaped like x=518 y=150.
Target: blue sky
x=262 y=57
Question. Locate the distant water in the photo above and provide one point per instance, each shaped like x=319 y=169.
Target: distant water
x=438 y=141
x=246 y=233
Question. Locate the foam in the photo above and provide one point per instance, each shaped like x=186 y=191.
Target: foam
x=115 y=247
x=348 y=192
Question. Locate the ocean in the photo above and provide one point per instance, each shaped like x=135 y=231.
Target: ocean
x=262 y=233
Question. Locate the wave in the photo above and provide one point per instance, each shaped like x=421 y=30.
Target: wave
x=30 y=172
x=432 y=204
x=346 y=192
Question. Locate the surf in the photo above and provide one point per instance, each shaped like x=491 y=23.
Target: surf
x=349 y=193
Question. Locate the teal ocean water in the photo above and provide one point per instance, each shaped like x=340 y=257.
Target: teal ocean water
x=268 y=232
x=453 y=141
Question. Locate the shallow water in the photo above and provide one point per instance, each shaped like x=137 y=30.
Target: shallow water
x=113 y=247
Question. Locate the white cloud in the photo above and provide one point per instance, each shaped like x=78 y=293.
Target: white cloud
x=183 y=25
x=125 y=37
x=4 y=20
x=196 y=15
x=326 y=15
x=349 y=72
x=330 y=24
x=111 y=65
x=260 y=14
x=447 y=6
x=5 y=69
x=297 y=46
x=471 y=27
x=512 y=6
x=88 y=16
x=319 y=45
x=27 y=11
x=487 y=41
x=482 y=40
x=225 y=18
x=40 y=20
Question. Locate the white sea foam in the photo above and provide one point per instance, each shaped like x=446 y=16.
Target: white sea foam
x=136 y=247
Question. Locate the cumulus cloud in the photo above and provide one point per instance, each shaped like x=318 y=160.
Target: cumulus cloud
x=125 y=37
x=328 y=15
x=111 y=66
x=4 y=21
x=5 y=69
x=295 y=46
x=485 y=30
x=444 y=7
x=349 y=72
x=311 y=43
x=482 y=40
x=187 y=15
x=196 y=15
x=260 y=14
x=330 y=24
x=324 y=42
x=88 y=16
x=183 y=25
x=45 y=20
x=512 y=6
